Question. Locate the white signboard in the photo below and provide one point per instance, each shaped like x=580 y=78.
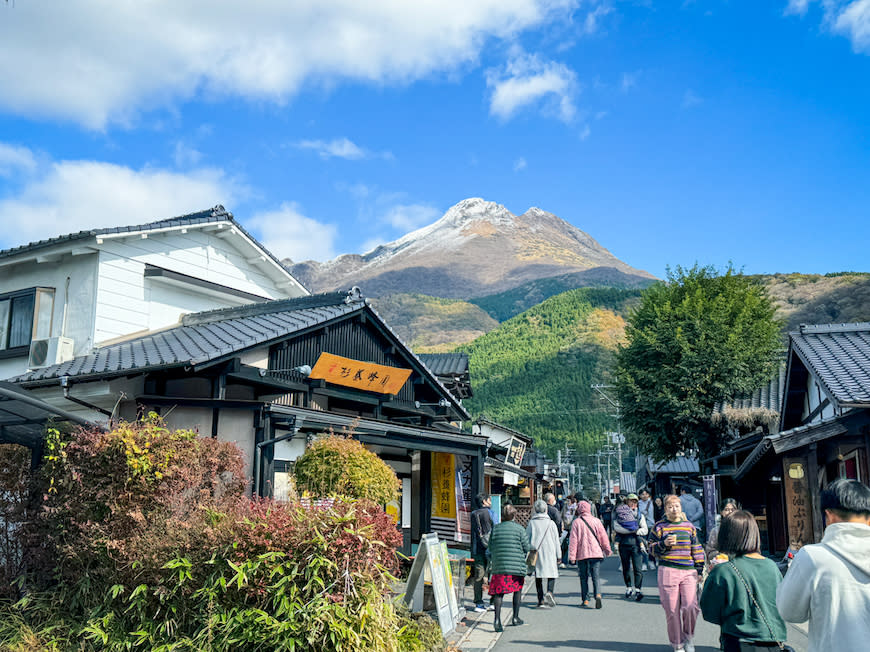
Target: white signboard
x=432 y=556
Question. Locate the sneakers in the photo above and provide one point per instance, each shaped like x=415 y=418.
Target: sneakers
x=680 y=649
x=638 y=597
x=490 y=607
x=644 y=567
x=598 y=602
x=550 y=599
x=689 y=645
x=480 y=607
x=629 y=591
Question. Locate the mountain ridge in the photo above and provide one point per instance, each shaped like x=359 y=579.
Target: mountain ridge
x=476 y=248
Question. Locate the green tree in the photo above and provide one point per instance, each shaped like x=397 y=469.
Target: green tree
x=696 y=339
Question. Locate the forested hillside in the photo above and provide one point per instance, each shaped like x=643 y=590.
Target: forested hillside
x=504 y=305
x=534 y=371
x=433 y=325
x=840 y=297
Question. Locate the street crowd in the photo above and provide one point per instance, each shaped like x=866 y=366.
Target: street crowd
x=723 y=578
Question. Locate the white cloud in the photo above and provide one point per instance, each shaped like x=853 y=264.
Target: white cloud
x=798 y=7
x=593 y=19
x=690 y=99
x=407 y=217
x=340 y=148
x=529 y=80
x=520 y=164
x=98 y=63
x=585 y=133
x=287 y=233
x=849 y=18
x=68 y=196
x=14 y=159
x=854 y=22
x=629 y=81
x=185 y=156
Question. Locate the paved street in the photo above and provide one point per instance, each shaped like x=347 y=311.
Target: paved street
x=621 y=626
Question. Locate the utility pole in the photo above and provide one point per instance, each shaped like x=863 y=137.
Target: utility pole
x=615 y=438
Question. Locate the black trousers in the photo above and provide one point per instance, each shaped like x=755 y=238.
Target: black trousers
x=539 y=585
x=629 y=555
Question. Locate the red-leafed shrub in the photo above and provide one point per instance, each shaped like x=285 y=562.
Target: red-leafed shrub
x=146 y=540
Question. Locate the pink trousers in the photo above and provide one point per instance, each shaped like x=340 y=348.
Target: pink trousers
x=678 y=591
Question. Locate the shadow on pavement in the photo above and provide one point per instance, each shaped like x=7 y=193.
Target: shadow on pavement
x=616 y=646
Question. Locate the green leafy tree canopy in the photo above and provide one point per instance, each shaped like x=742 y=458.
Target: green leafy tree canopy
x=696 y=339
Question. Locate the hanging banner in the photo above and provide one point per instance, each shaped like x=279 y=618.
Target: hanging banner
x=359 y=375
x=463 y=498
x=443 y=485
x=711 y=500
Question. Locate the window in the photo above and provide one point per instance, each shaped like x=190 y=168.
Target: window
x=25 y=315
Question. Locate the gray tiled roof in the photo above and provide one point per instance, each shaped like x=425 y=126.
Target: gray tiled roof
x=445 y=364
x=681 y=464
x=216 y=214
x=208 y=216
x=839 y=356
x=205 y=336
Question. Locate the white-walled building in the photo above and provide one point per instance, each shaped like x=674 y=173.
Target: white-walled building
x=61 y=298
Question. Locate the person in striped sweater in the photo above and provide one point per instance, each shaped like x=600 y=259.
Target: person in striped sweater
x=674 y=542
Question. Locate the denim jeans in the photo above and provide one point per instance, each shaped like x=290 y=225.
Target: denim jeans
x=480 y=567
x=539 y=586
x=585 y=568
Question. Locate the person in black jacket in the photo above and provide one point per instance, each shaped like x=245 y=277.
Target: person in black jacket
x=553 y=512
x=481 y=527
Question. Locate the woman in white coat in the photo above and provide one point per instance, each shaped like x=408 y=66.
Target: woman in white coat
x=544 y=537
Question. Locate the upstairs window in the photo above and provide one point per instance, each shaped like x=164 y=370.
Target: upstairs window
x=25 y=315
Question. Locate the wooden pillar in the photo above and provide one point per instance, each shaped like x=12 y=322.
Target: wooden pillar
x=815 y=498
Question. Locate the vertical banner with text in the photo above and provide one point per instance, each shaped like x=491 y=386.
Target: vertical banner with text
x=463 y=498
x=798 y=503
x=711 y=500
x=443 y=485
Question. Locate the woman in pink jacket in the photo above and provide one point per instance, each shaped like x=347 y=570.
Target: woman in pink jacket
x=589 y=544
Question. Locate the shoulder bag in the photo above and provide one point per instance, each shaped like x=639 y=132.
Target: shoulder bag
x=594 y=536
x=747 y=645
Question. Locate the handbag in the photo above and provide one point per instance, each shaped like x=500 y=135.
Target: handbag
x=532 y=555
x=747 y=645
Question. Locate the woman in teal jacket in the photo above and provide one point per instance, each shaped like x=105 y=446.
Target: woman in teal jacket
x=508 y=546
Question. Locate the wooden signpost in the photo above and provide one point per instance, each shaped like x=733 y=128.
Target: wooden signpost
x=432 y=557
x=798 y=504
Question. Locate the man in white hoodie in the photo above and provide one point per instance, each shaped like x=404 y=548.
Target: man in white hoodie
x=828 y=583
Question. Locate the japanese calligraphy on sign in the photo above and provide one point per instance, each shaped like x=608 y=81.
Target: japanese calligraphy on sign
x=463 y=498
x=443 y=485
x=797 y=502
x=516 y=452
x=360 y=375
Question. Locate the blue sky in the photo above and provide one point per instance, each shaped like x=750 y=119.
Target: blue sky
x=672 y=132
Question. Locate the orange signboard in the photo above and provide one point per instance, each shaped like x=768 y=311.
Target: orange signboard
x=359 y=375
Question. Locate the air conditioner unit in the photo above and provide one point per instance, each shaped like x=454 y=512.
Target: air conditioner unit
x=53 y=350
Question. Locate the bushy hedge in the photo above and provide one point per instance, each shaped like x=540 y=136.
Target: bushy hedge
x=146 y=541
x=341 y=466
